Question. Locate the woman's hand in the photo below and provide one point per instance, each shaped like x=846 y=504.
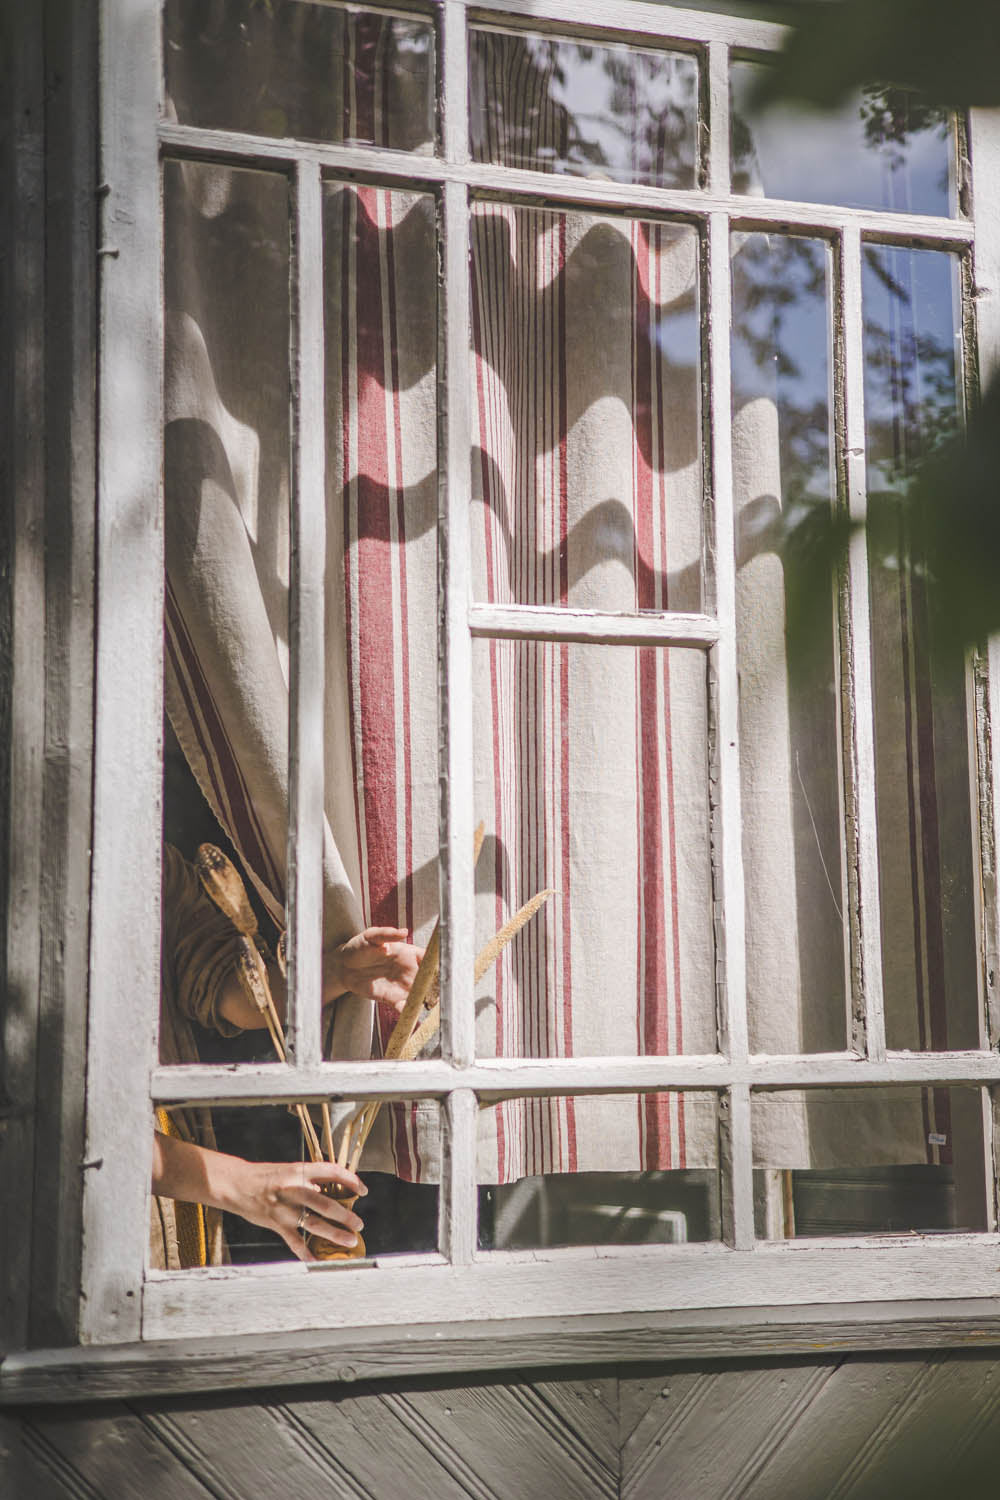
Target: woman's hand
x=273 y=1195
x=285 y=1197
x=378 y=964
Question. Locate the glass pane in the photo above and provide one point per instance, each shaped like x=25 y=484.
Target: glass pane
x=311 y=71
x=868 y=1161
x=265 y=1176
x=587 y=466
x=644 y=1171
x=626 y=114
x=592 y=781
x=912 y=403
x=883 y=149
x=226 y=482
x=783 y=452
x=381 y=423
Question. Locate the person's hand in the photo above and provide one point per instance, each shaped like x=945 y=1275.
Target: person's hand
x=275 y=1195
x=378 y=964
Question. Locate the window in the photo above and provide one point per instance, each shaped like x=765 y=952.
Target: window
x=784 y=349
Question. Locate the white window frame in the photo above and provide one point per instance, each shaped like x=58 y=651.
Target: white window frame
x=483 y=1309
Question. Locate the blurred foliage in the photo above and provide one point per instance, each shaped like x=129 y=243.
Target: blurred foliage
x=941 y=518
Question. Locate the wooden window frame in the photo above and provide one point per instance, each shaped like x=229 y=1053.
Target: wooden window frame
x=153 y=1330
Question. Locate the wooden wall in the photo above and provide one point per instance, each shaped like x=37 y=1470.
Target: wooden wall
x=837 y=1426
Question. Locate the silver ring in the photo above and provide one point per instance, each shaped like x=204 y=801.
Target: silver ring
x=303 y=1216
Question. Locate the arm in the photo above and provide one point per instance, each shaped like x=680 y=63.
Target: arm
x=269 y=1194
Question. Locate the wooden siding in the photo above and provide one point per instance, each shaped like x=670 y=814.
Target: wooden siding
x=841 y=1427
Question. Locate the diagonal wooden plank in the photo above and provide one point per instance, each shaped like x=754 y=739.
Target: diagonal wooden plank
x=113 y=1453
x=715 y=1442
x=823 y=1442
x=240 y=1449
x=590 y=1407
x=656 y=1405
x=30 y=1466
x=382 y=1454
x=920 y=1444
x=512 y=1440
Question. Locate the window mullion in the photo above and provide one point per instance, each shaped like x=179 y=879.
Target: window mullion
x=736 y=1152
x=125 y=880
x=531 y=622
x=456 y=771
x=306 y=624
x=868 y=1001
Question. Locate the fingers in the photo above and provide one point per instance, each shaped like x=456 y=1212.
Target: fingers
x=329 y=1171
x=374 y=935
x=320 y=1206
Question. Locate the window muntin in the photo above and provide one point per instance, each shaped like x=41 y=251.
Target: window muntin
x=168 y=1314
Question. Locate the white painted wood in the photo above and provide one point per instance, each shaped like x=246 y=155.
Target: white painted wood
x=868 y=999
x=401 y=169
x=501 y=1289
x=502 y=1078
x=666 y=22
x=125 y=890
x=307 y=626
x=718 y=117
x=22 y=477
x=455 y=642
x=736 y=1160
x=736 y=1167
x=537 y=622
x=459 y=1215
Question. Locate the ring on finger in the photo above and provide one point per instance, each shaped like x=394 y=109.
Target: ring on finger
x=300 y=1224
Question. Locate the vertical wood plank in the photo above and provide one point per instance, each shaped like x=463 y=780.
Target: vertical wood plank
x=868 y=1001
x=125 y=888
x=69 y=644
x=718 y=117
x=22 y=636
x=454 y=568
x=736 y=1157
x=306 y=625
x=458 y=1204
x=984 y=151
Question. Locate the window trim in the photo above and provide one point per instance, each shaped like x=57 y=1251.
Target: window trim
x=122 y=1308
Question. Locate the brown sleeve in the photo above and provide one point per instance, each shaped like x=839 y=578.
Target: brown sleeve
x=200 y=945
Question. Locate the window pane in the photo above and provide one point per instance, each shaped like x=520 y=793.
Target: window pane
x=311 y=71
x=399 y=1214
x=883 y=149
x=381 y=696
x=645 y=1171
x=912 y=403
x=627 y=114
x=226 y=484
x=783 y=452
x=868 y=1161
x=592 y=780
x=587 y=465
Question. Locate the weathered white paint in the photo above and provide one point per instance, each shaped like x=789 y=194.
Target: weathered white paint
x=454 y=569
x=563 y=1284
x=459 y=1198
x=718 y=118
x=125 y=889
x=538 y=622
x=307 y=625
x=867 y=992
x=401 y=169
x=499 y=1078
x=629 y=16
